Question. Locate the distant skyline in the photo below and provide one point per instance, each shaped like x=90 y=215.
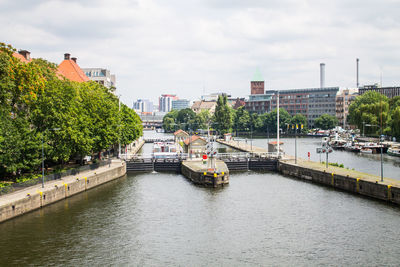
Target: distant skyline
x=194 y=47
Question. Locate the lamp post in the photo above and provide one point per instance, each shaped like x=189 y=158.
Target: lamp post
x=295 y=144
x=119 y=126
x=277 y=124
x=251 y=138
x=363 y=128
x=54 y=129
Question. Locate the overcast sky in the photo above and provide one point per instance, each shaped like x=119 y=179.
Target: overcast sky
x=191 y=46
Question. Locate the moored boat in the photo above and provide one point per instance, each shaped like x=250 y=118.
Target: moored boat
x=164 y=150
x=394 y=151
x=366 y=150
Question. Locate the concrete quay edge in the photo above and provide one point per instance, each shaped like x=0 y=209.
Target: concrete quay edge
x=36 y=197
x=344 y=179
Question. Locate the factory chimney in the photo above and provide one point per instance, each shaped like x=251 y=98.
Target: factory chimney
x=322 y=75
x=357 y=61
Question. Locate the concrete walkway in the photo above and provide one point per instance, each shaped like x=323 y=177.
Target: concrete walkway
x=246 y=147
x=35 y=189
x=341 y=171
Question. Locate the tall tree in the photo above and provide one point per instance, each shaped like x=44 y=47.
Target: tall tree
x=223 y=115
x=369 y=108
x=326 y=122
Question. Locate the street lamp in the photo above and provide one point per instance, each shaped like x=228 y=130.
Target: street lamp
x=54 y=129
x=119 y=126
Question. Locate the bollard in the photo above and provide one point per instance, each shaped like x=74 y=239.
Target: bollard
x=66 y=189
x=358 y=185
x=333 y=179
x=389 y=193
x=41 y=198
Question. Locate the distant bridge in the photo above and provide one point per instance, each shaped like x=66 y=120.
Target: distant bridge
x=151 y=121
x=154 y=140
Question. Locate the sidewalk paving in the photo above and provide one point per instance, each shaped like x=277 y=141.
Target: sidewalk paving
x=243 y=146
x=341 y=171
x=35 y=189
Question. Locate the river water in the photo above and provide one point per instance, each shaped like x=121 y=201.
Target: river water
x=160 y=219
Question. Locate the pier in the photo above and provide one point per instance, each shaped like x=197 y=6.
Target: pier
x=344 y=179
x=197 y=172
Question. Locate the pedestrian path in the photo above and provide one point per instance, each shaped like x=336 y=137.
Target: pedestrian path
x=20 y=194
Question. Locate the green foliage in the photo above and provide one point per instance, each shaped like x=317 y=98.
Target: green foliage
x=68 y=119
x=223 y=116
x=368 y=108
x=268 y=120
x=326 y=122
x=299 y=119
x=242 y=120
x=202 y=119
x=186 y=119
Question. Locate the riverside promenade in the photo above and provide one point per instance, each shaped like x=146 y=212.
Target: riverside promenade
x=242 y=146
x=344 y=179
x=35 y=197
x=340 y=178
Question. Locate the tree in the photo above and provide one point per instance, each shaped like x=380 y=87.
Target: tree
x=242 y=120
x=369 y=108
x=169 y=121
x=326 y=122
x=202 y=119
x=268 y=120
x=299 y=119
x=186 y=119
x=34 y=101
x=222 y=116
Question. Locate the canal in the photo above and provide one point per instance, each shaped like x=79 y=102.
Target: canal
x=161 y=219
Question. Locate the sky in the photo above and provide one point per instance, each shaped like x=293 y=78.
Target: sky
x=196 y=47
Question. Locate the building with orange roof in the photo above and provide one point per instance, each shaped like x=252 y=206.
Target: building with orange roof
x=195 y=145
x=180 y=135
x=70 y=70
x=23 y=55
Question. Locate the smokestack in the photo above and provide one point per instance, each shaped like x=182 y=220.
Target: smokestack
x=74 y=59
x=66 y=56
x=322 y=75
x=357 y=60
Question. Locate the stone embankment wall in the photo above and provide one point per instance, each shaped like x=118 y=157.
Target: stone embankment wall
x=20 y=204
x=378 y=190
x=191 y=171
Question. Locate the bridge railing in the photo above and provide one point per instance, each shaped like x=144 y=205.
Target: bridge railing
x=184 y=156
x=153 y=140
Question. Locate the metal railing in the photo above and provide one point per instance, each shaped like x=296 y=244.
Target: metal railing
x=54 y=176
x=184 y=156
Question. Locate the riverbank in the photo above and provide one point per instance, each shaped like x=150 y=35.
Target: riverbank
x=344 y=179
x=245 y=147
x=35 y=197
x=341 y=178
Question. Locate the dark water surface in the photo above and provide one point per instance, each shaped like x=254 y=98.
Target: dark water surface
x=162 y=219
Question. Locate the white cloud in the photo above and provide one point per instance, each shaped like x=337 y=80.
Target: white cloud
x=160 y=46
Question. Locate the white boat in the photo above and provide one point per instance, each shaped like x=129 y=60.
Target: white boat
x=163 y=150
x=366 y=150
x=394 y=151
